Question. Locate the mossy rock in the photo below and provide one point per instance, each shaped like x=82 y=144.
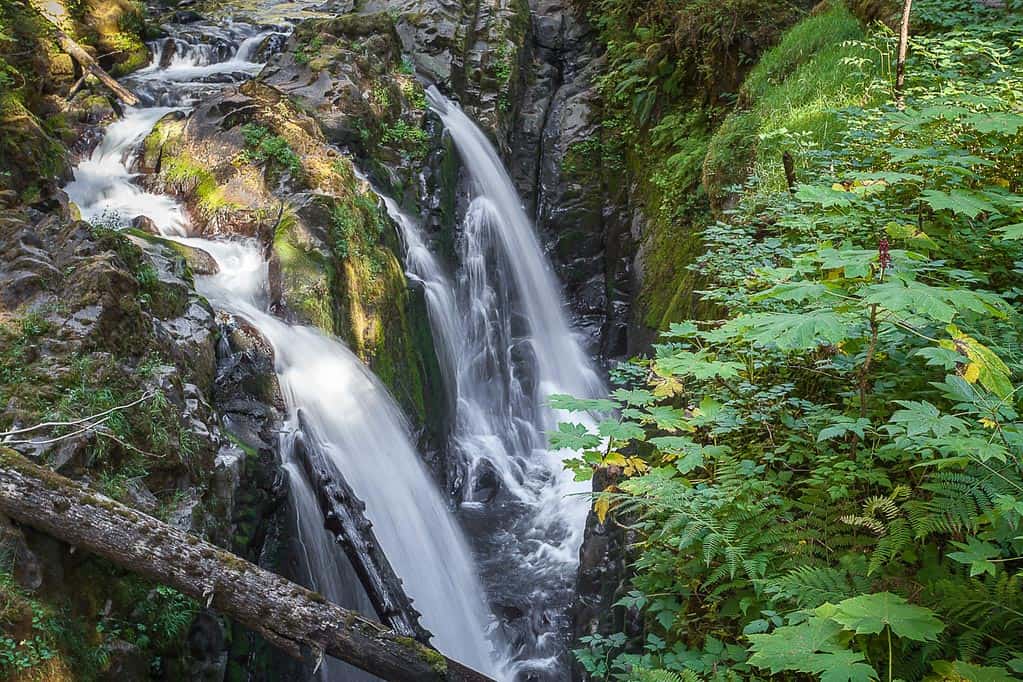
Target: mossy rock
x=28 y=154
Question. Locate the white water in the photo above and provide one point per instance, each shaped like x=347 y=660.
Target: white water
x=348 y=415
x=501 y=377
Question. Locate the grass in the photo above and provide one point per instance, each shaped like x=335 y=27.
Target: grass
x=787 y=103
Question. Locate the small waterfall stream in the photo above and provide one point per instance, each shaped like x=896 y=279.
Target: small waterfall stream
x=347 y=414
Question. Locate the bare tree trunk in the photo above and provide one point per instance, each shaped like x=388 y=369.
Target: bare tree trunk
x=900 y=68
x=790 y=170
x=88 y=64
x=292 y=618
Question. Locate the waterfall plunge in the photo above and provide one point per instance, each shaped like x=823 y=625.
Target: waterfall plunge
x=505 y=346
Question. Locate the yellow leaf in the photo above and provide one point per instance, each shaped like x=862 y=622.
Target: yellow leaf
x=988 y=423
x=636 y=465
x=972 y=373
x=601 y=507
x=615 y=459
x=668 y=387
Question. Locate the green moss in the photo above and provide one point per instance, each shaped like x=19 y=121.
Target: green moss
x=690 y=158
x=193 y=178
x=262 y=146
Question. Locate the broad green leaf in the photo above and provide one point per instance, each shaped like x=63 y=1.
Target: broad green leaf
x=910 y=233
x=573 y=437
x=621 y=430
x=941 y=357
x=666 y=417
x=868 y=614
x=793 y=291
x=795 y=331
x=825 y=196
x=569 y=403
x=812 y=647
x=843 y=427
x=689 y=462
x=1002 y=122
x=1014 y=231
x=697 y=365
x=938 y=303
x=921 y=417
x=682 y=330
x=674 y=444
x=638 y=398
x=976 y=554
x=854 y=263
x=961 y=201
x=958 y=671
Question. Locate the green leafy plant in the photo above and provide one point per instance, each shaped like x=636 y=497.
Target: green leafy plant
x=827 y=481
x=262 y=146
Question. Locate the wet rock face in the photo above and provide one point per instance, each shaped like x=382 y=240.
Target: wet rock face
x=468 y=49
x=349 y=72
x=556 y=162
x=83 y=310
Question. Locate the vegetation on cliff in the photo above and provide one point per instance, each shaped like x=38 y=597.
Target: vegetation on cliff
x=827 y=481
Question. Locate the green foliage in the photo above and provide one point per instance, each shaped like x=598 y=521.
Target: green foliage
x=262 y=146
x=413 y=139
x=829 y=481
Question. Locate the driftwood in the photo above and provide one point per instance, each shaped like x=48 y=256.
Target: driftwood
x=344 y=516
x=298 y=621
x=85 y=59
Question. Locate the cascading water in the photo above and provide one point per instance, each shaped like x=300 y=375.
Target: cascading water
x=506 y=346
x=346 y=414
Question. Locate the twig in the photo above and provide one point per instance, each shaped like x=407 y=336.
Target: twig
x=83 y=420
x=49 y=441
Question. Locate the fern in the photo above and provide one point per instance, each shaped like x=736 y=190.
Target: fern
x=808 y=587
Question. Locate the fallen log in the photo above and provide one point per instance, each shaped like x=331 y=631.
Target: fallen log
x=345 y=517
x=298 y=621
x=84 y=59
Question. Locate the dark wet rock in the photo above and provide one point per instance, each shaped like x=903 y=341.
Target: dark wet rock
x=206 y=648
x=145 y=224
x=170 y=50
x=603 y=579
x=24 y=564
x=141 y=497
x=486 y=483
x=126 y=662
x=581 y=212
x=186 y=17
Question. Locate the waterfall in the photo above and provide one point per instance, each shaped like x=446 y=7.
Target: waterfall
x=349 y=417
x=505 y=346
x=347 y=414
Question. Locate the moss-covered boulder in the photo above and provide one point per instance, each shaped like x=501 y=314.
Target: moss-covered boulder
x=349 y=74
x=252 y=162
x=95 y=321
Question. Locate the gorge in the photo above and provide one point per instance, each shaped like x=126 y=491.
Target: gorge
x=566 y=339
